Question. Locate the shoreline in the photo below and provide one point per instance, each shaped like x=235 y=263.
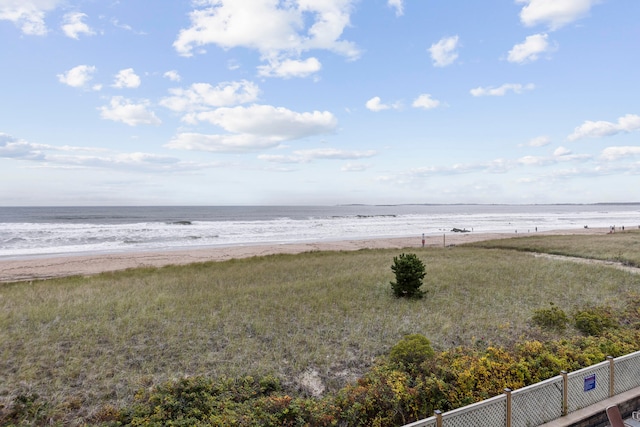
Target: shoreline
x=55 y=266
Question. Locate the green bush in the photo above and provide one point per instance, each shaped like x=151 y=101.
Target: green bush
x=593 y=321
x=411 y=351
x=409 y=271
x=386 y=395
x=27 y=409
x=551 y=318
x=193 y=401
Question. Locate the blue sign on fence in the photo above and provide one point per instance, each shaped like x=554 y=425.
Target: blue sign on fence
x=590 y=382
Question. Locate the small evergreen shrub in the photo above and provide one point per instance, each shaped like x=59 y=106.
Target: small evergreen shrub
x=593 y=321
x=409 y=271
x=553 y=318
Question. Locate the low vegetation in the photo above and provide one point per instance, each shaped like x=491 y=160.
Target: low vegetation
x=621 y=246
x=553 y=318
x=316 y=338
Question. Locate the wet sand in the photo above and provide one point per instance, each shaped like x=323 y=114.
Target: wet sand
x=60 y=266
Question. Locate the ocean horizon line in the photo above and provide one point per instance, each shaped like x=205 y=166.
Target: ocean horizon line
x=629 y=203
x=73 y=229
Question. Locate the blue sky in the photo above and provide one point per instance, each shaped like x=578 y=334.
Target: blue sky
x=251 y=102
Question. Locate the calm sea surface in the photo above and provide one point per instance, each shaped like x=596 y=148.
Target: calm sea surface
x=37 y=231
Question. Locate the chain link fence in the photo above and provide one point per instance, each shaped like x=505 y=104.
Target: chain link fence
x=548 y=400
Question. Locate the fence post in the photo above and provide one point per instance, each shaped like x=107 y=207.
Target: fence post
x=565 y=393
x=508 y=393
x=438 y=418
x=612 y=388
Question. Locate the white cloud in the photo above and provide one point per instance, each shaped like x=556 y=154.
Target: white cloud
x=221 y=143
x=615 y=153
x=354 y=167
x=590 y=129
x=138 y=161
x=305 y=156
x=554 y=13
x=116 y=23
x=502 y=90
x=397 y=5
x=78 y=76
x=533 y=161
x=539 y=141
x=278 y=30
x=290 y=68
x=126 y=78
x=202 y=96
x=28 y=14
x=334 y=154
x=443 y=52
x=561 y=151
x=233 y=64
x=19 y=148
x=14 y=148
x=127 y=27
x=562 y=154
x=277 y=122
x=254 y=127
x=73 y=25
x=425 y=101
x=496 y=166
x=530 y=50
x=375 y=104
x=124 y=110
x=172 y=75
x=493 y=166
x=281 y=158
x=89 y=157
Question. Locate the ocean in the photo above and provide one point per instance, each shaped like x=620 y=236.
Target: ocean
x=43 y=231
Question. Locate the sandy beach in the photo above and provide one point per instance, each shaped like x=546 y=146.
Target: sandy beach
x=60 y=266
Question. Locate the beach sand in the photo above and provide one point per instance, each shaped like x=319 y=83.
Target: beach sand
x=61 y=266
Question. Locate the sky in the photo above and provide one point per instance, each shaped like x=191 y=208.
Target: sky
x=318 y=102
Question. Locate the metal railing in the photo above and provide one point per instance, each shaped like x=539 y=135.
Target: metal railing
x=547 y=400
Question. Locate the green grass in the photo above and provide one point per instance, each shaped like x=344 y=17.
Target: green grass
x=81 y=343
x=621 y=247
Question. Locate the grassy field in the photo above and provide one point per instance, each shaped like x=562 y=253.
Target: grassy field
x=621 y=247
x=82 y=342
